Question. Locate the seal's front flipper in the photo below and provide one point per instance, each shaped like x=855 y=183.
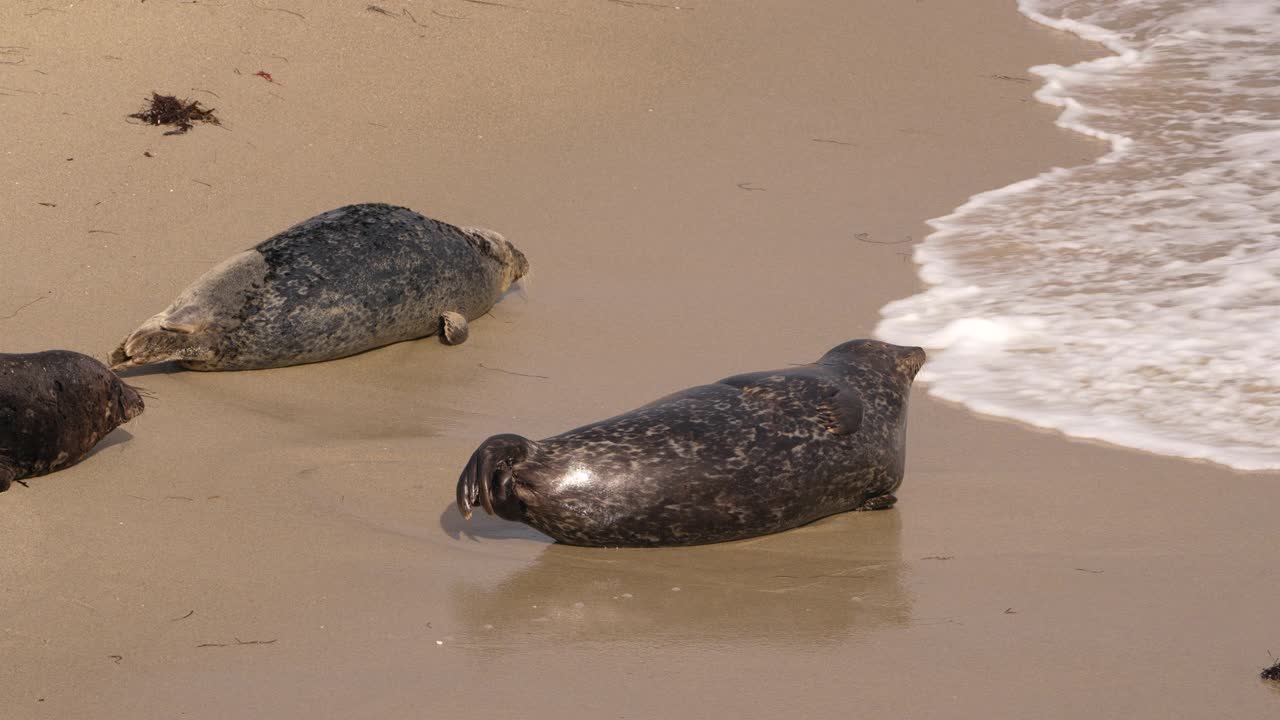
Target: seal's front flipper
x=842 y=413
x=7 y=476
x=454 y=328
x=879 y=502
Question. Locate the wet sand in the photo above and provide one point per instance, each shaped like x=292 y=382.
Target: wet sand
x=701 y=191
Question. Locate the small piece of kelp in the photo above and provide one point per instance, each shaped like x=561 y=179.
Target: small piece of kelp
x=1272 y=673
x=169 y=110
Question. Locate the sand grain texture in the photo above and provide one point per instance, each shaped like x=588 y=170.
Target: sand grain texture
x=690 y=186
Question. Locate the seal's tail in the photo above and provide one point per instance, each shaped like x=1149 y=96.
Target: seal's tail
x=488 y=479
x=169 y=336
x=148 y=346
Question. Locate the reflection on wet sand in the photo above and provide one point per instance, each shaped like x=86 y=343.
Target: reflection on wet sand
x=826 y=582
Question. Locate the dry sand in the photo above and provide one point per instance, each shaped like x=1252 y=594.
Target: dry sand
x=689 y=185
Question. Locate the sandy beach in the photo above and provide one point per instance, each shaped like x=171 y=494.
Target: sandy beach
x=701 y=190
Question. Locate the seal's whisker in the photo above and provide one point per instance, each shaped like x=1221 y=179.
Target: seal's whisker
x=144 y=392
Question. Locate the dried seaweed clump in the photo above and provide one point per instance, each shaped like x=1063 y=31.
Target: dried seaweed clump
x=1272 y=673
x=169 y=110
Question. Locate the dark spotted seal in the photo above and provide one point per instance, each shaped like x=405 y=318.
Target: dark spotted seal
x=54 y=407
x=749 y=455
x=343 y=282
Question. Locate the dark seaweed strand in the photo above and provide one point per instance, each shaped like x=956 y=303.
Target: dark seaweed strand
x=169 y=110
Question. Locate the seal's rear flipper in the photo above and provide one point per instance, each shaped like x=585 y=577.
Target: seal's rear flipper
x=488 y=479
x=7 y=476
x=161 y=339
x=453 y=328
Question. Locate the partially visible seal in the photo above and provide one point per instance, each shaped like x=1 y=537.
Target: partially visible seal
x=54 y=407
x=749 y=455
x=340 y=283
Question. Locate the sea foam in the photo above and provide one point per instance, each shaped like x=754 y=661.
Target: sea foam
x=1134 y=300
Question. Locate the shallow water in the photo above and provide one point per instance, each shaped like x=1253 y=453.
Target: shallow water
x=1131 y=300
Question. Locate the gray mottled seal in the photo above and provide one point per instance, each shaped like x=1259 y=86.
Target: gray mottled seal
x=749 y=455
x=54 y=407
x=340 y=283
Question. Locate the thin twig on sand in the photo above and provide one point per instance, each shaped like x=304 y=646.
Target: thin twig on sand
x=281 y=10
x=866 y=238
x=23 y=307
x=496 y=4
x=512 y=372
x=639 y=3
x=238 y=641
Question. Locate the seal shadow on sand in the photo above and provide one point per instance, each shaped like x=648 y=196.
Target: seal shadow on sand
x=119 y=436
x=485 y=527
x=818 y=584
x=166 y=368
x=172 y=367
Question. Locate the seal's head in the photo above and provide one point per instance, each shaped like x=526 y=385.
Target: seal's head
x=899 y=361
x=492 y=244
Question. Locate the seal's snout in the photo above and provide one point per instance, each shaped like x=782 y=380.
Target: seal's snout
x=131 y=404
x=489 y=481
x=910 y=360
x=492 y=243
x=519 y=263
